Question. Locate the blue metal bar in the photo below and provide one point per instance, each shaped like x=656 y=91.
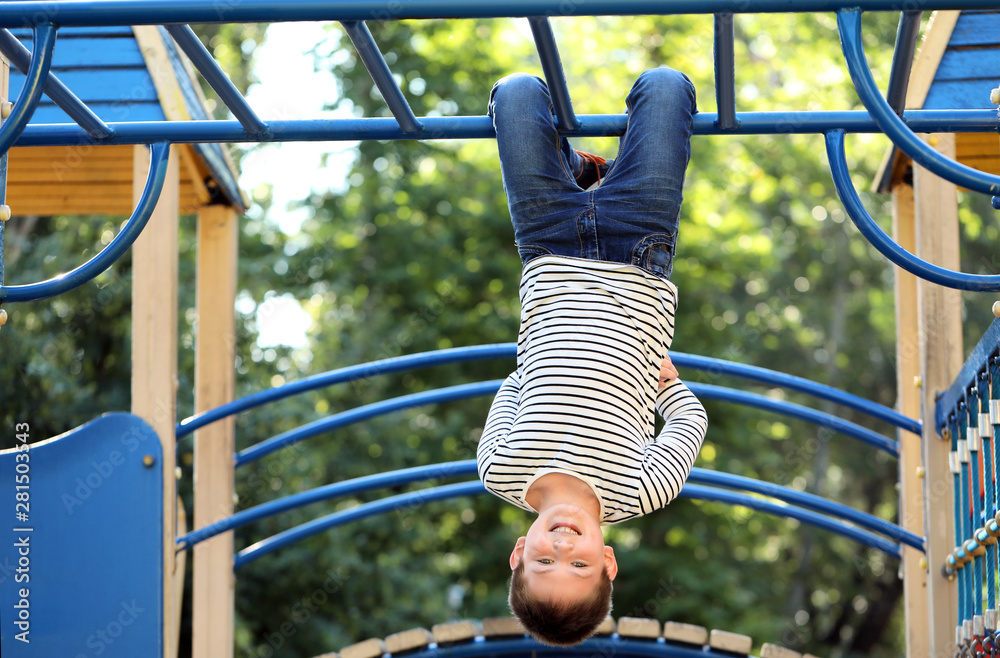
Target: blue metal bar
x=372 y=57
x=438 y=396
x=13 y=13
x=44 y=36
x=328 y=492
x=849 y=24
x=978 y=360
x=480 y=127
x=885 y=244
x=555 y=78
x=715 y=366
x=863 y=434
x=468 y=467
x=409 y=501
x=614 y=645
x=54 y=88
x=725 y=75
x=214 y=76
x=349 y=374
x=110 y=254
x=902 y=59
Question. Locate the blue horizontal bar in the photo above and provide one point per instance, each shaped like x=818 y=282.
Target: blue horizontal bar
x=977 y=362
x=34 y=81
x=853 y=430
x=158 y=157
x=415 y=499
x=885 y=244
x=14 y=13
x=468 y=467
x=849 y=25
x=189 y=42
x=715 y=366
x=358 y=414
x=54 y=88
x=348 y=374
x=614 y=646
x=480 y=127
x=378 y=68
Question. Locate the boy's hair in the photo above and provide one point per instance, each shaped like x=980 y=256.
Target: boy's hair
x=558 y=624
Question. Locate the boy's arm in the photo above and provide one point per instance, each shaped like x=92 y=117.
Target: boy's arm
x=672 y=454
x=499 y=421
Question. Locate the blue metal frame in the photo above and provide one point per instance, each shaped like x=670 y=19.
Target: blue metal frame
x=480 y=127
x=849 y=25
x=44 y=35
x=54 y=88
x=154 y=12
x=468 y=467
x=189 y=42
x=158 y=156
x=414 y=499
x=378 y=68
x=885 y=244
x=555 y=78
x=978 y=361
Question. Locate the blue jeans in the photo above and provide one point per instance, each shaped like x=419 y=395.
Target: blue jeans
x=632 y=216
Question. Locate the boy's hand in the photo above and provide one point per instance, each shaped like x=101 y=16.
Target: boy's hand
x=667 y=371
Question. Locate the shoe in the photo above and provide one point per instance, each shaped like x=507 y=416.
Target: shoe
x=594 y=169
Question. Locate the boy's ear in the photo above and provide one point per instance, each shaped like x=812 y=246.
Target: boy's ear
x=517 y=553
x=610 y=563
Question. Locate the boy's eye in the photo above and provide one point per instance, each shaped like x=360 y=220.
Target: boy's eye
x=545 y=560
x=579 y=565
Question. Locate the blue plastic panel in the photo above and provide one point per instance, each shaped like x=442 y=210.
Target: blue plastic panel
x=88 y=559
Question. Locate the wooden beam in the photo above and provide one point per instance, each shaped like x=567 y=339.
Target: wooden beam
x=940 y=345
x=911 y=499
x=215 y=445
x=154 y=357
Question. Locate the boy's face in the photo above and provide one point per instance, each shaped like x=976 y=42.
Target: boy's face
x=564 y=554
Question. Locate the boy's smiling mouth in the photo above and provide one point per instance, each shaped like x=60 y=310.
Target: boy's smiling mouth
x=565 y=528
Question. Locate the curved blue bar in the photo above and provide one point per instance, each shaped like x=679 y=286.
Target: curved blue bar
x=158 y=155
x=327 y=492
x=348 y=374
x=698 y=492
x=555 y=78
x=480 y=127
x=715 y=366
x=437 y=396
x=44 y=36
x=808 y=501
x=407 y=502
x=54 y=88
x=885 y=244
x=613 y=646
x=849 y=24
x=863 y=434
x=468 y=467
x=154 y=12
x=378 y=68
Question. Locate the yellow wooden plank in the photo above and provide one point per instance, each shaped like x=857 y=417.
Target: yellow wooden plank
x=214 y=446
x=193 y=176
x=167 y=90
x=154 y=353
x=928 y=57
x=941 y=355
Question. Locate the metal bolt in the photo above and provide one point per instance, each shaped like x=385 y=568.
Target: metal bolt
x=148 y=461
x=4 y=213
x=918 y=381
x=3 y=317
x=923 y=563
x=995 y=96
x=6 y=107
x=920 y=472
x=996 y=308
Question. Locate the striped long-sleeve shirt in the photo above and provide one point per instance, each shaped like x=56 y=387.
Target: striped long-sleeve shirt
x=585 y=393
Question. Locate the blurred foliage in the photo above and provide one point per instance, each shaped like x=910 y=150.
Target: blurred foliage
x=415 y=252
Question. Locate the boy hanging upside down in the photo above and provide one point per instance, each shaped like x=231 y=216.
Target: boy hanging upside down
x=570 y=435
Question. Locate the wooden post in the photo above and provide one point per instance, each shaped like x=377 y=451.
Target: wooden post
x=940 y=314
x=154 y=360
x=911 y=495
x=215 y=354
